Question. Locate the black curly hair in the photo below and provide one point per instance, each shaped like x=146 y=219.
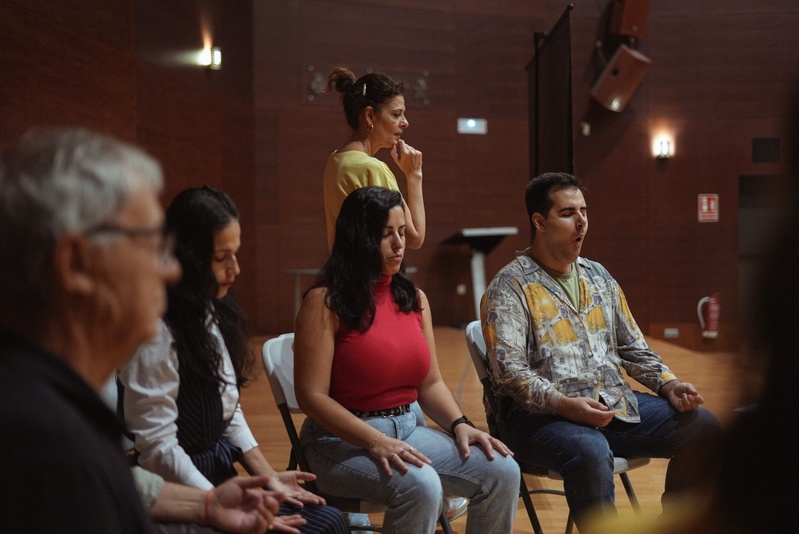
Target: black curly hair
x=355 y=263
x=193 y=217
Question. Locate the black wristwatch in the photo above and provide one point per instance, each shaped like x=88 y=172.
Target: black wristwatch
x=459 y=420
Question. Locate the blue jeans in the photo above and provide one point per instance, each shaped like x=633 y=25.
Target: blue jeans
x=584 y=455
x=414 y=499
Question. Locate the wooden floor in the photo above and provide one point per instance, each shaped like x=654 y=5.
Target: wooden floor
x=711 y=373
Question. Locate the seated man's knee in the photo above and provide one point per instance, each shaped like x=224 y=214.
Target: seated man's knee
x=593 y=446
x=701 y=425
x=588 y=451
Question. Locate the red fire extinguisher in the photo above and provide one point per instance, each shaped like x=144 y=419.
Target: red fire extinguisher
x=708 y=312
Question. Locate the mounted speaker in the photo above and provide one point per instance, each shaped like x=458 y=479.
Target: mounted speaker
x=629 y=17
x=621 y=77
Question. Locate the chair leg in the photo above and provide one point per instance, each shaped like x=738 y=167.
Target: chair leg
x=628 y=487
x=528 y=504
x=569 y=523
x=444 y=522
x=536 y=524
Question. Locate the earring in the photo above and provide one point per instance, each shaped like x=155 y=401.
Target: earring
x=371 y=127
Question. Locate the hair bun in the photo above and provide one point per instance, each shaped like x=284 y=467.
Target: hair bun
x=340 y=79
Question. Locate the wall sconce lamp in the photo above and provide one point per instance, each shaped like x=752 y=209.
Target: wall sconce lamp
x=216 y=58
x=211 y=58
x=665 y=150
x=663 y=147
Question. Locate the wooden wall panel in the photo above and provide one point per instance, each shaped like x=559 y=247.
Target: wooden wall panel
x=170 y=34
x=718 y=79
x=120 y=67
x=265 y=218
x=722 y=73
x=467 y=70
x=200 y=123
x=62 y=68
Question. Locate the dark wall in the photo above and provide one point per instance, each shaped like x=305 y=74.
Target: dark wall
x=723 y=72
x=471 y=58
x=123 y=67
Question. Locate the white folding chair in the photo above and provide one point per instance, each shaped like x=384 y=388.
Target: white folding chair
x=278 y=359
x=477 y=351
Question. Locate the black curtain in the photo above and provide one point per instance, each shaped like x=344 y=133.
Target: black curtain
x=550 y=100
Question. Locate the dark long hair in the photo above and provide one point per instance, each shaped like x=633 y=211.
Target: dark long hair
x=193 y=217
x=356 y=264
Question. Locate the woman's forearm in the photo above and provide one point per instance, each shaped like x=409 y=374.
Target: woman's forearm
x=439 y=404
x=256 y=463
x=416 y=223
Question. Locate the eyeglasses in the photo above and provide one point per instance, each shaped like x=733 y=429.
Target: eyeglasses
x=165 y=247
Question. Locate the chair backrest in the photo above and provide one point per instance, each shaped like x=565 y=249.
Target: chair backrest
x=477 y=350
x=278 y=358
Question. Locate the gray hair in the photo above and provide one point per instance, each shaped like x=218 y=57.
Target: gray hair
x=55 y=182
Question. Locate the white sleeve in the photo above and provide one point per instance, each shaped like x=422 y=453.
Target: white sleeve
x=151 y=382
x=239 y=433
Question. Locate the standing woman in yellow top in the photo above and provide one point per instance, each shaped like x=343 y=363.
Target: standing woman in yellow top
x=375 y=110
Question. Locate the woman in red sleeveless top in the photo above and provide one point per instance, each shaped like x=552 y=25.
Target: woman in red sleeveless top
x=364 y=351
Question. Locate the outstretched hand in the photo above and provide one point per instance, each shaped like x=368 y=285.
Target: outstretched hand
x=287 y=524
x=241 y=505
x=684 y=396
x=288 y=484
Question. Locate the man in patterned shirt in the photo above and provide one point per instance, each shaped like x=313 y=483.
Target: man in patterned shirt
x=559 y=334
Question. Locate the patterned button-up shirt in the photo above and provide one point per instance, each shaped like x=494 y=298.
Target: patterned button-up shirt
x=540 y=347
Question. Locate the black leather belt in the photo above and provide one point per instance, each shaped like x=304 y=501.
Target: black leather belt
x=390 y=412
